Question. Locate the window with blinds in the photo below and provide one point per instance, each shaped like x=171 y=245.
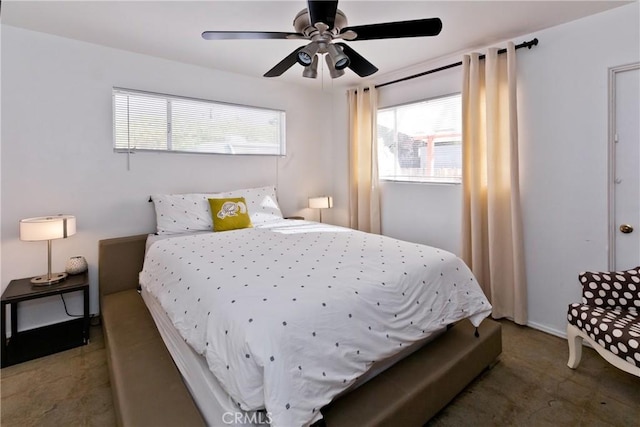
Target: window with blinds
x=157 y=122
x=422 y=141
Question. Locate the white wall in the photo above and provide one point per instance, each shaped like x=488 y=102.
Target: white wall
x=562 y=90
x=52 y=162
x=563 y=110
x=0 y=151
x=57 y=151
x=423 y=213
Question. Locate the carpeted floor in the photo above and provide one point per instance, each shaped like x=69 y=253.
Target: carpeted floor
x=529 y=386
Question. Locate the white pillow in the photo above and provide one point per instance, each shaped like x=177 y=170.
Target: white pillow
x=183 y=213
x=180 y=213
x=262 y=203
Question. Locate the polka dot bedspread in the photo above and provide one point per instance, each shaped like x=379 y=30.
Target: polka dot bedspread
x=291 y=313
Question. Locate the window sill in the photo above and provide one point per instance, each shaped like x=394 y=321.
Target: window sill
x=418 y=182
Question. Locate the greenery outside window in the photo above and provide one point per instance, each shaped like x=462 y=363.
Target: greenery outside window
x=422 y=141
x=157 y=122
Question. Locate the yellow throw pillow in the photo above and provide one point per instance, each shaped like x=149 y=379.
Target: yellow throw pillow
x=229 y=214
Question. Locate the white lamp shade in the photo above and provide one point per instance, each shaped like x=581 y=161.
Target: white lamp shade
x=323 y=202
x=47 y=227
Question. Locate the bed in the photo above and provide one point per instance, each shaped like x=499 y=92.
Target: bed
x=285 y=321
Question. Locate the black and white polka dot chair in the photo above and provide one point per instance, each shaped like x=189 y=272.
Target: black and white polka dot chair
x=608 y=319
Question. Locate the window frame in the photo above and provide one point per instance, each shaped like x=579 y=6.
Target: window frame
x=282 y=146
x=416 y=181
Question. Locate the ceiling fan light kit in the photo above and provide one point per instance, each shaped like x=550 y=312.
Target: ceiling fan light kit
x=323 y=23
x=339 y=59
x=311 y=71
x=307 y=53
x=333 y=71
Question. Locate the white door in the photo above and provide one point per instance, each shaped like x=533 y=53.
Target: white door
x=624 y=87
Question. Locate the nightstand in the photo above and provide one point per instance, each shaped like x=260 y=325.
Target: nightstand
x=38 y=342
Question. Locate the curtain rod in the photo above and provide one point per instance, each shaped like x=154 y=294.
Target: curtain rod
x=528 y=44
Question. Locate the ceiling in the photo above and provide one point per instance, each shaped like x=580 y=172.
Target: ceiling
x=171 y=29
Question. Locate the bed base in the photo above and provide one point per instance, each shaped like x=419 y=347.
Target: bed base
x=409 y=393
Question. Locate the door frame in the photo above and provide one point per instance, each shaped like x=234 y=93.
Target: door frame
x=613 y=71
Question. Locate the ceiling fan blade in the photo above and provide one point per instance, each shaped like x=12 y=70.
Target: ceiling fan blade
x=395 y=30
x=284 y=65
x=240 y=35
x=322 y=11
x=357 y=63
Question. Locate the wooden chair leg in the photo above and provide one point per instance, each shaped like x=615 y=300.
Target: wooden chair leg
x=575 y=347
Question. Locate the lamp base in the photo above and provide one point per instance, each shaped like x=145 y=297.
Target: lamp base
x=45 y=280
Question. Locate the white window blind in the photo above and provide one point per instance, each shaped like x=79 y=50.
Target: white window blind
x=148 y=121
x=422 y=141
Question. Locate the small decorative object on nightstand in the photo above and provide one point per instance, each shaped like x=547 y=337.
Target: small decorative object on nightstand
x=48 y=228
x=76 y=265
x=322 y=202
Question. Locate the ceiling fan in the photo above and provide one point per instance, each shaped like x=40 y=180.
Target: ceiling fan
x=323 y=23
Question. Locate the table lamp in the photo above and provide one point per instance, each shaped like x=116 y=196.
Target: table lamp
x=48 y=228
x=322 y=202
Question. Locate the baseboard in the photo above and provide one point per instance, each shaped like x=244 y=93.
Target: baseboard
x=548 y=330
x=554 y=332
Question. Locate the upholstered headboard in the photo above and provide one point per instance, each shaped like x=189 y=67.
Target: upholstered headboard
x=119 y=263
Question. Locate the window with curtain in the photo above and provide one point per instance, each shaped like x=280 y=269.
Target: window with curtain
x=421 y=141
x=157 y=122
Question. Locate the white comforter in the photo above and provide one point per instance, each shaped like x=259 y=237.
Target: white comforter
x=290 y=314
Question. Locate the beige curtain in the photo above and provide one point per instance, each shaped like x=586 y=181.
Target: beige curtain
x=364 y=194
x=492 y=221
